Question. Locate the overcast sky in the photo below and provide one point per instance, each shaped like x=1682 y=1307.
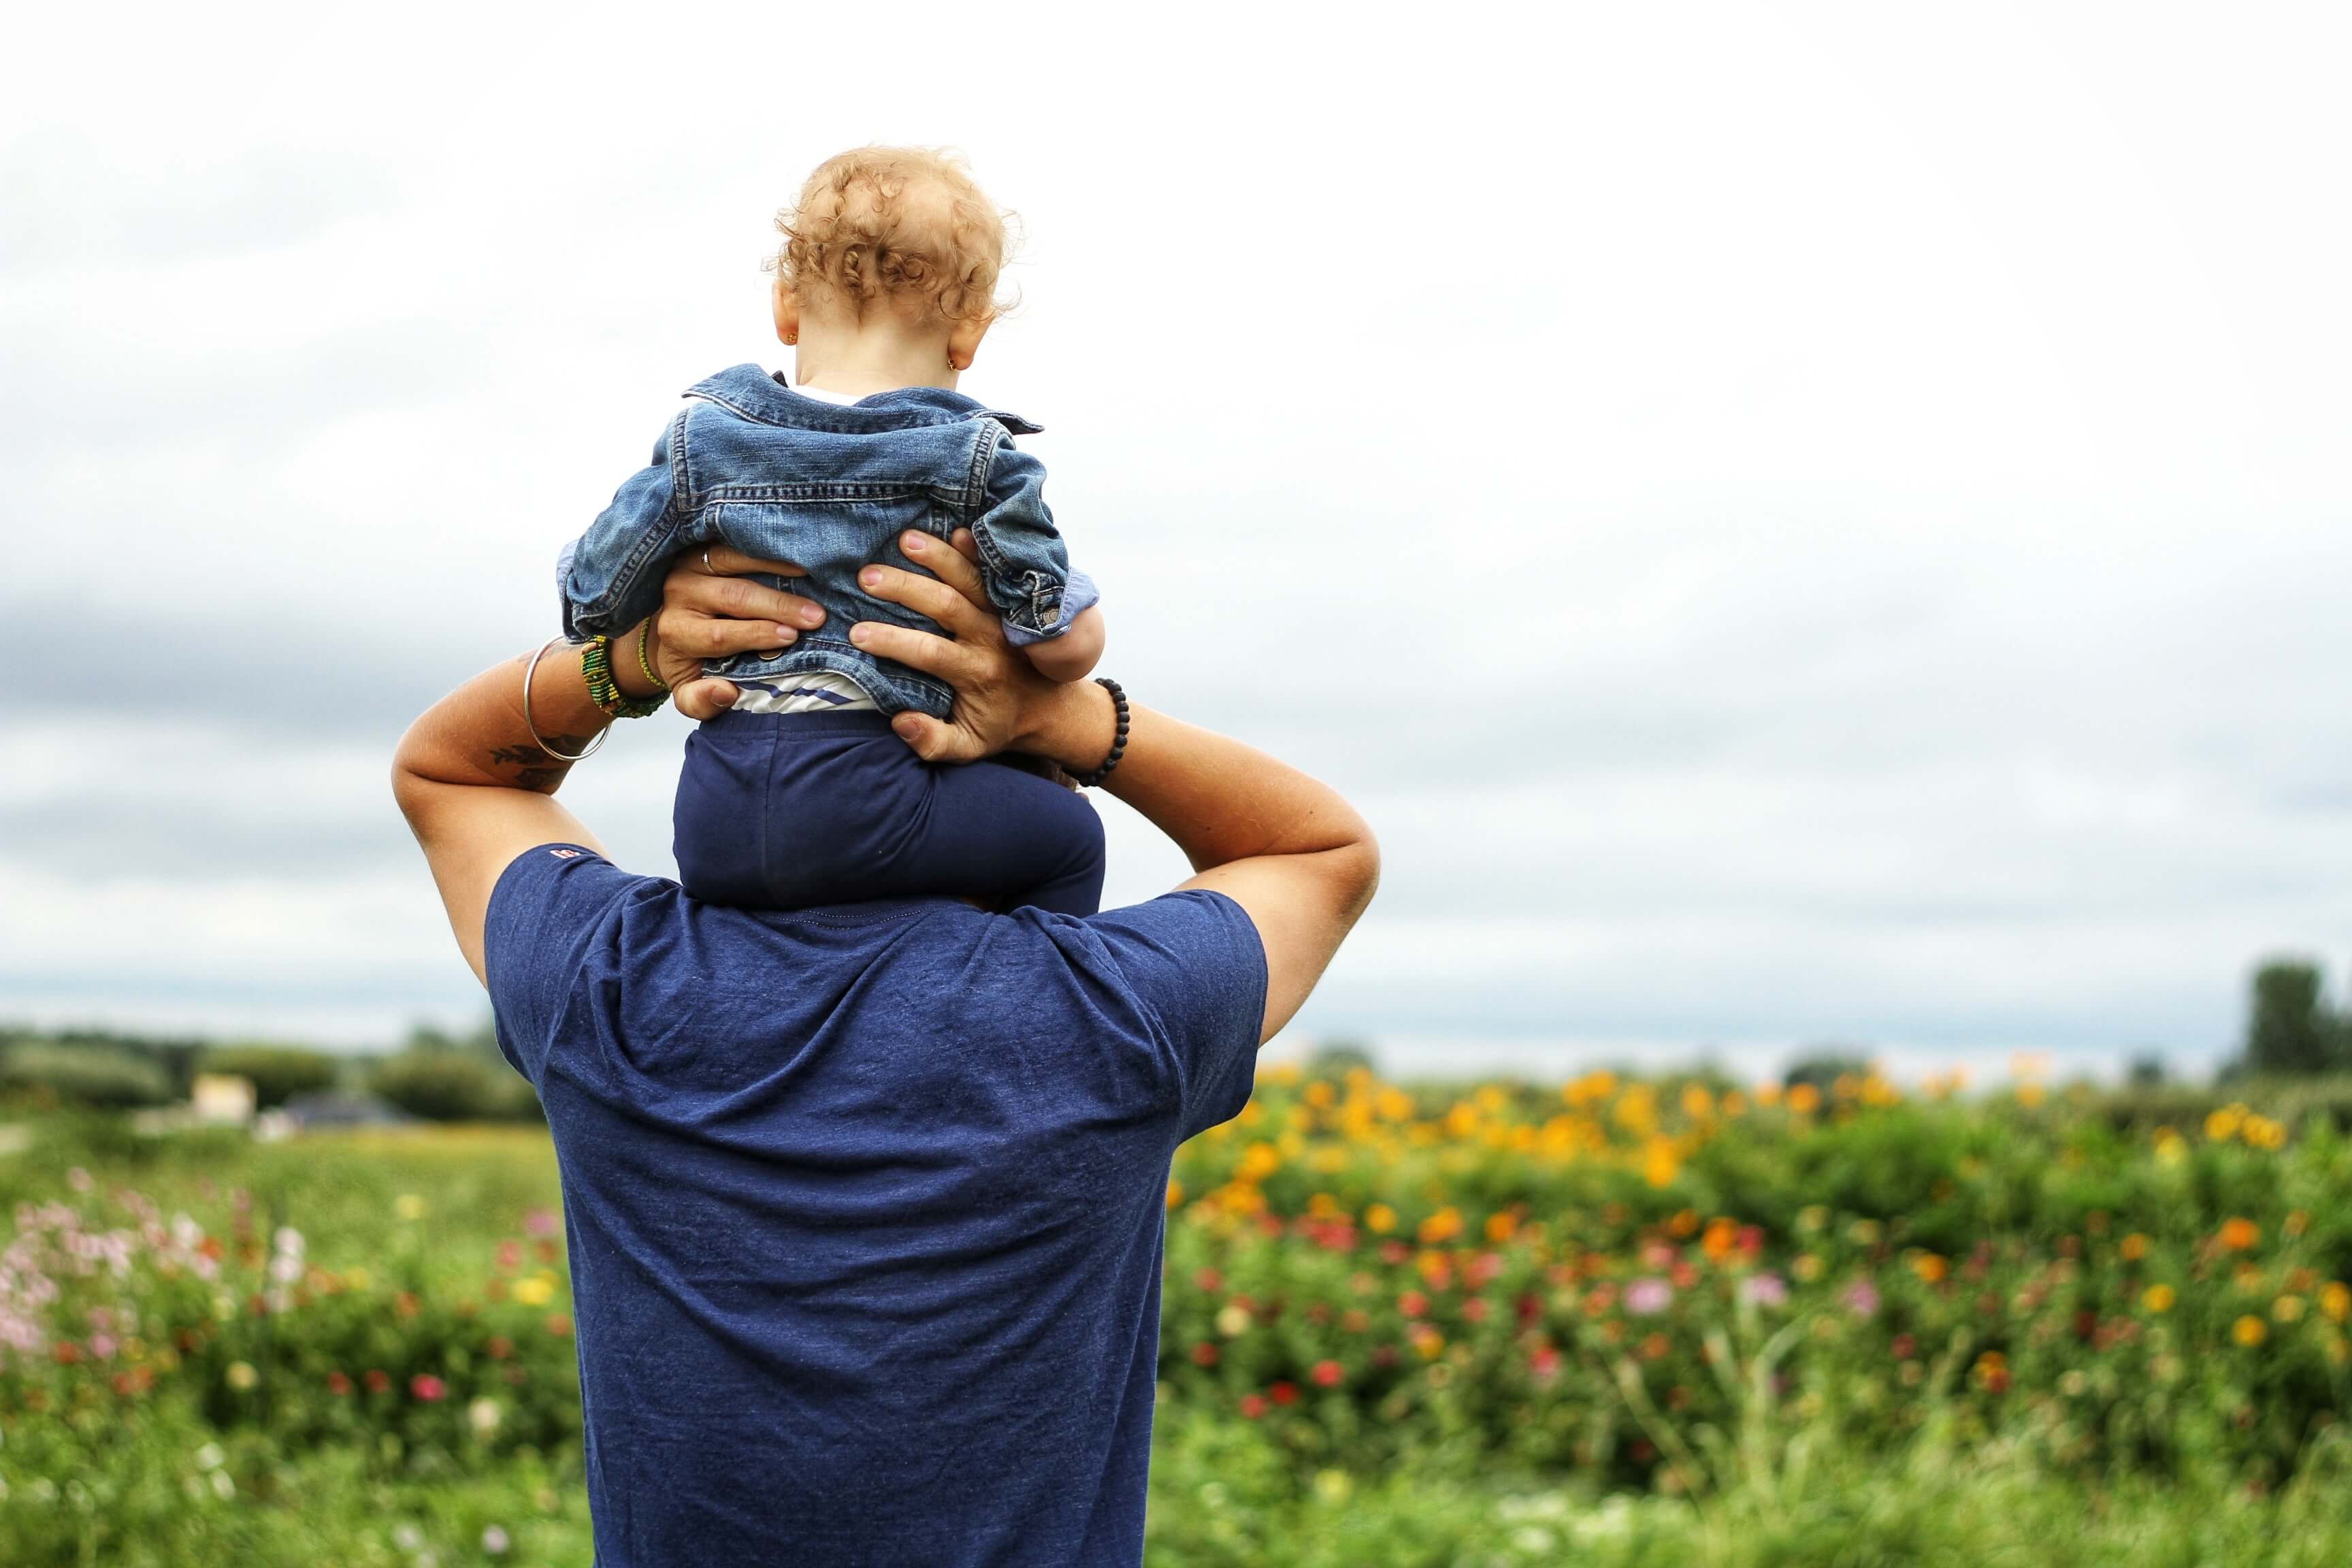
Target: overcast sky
x=1797 y=522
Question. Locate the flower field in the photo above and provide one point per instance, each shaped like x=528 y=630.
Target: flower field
x=1609 y=1321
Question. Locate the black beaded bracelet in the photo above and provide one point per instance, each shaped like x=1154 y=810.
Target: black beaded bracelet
x=1118 y=741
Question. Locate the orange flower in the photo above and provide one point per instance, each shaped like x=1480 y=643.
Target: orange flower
x=2250 y=1330
x=2239 y=1234
x=1929 y=1267
x=1805 y=1099
x=2134 y=1248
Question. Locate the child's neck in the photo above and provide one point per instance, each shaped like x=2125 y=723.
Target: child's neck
x=881 y=357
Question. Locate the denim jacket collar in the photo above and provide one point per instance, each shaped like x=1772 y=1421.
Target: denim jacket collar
x=755 y=394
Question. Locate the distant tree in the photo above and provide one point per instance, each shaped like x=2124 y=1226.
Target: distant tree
x=278 y=1072
x=1822 y=1066
x=1338 y=1059
x=2289 y=1030
x=2146 y=1070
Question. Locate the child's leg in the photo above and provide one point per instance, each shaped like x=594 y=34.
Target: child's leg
x=1001 y=832
x=791 y=811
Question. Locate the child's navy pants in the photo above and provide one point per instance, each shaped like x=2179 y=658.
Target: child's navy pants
x=791 y=810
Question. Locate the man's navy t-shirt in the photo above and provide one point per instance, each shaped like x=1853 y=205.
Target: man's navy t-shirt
x=865 y=1205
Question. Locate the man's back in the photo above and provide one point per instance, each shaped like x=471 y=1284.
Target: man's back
x=866 y=1204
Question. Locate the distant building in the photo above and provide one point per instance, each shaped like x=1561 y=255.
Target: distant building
x=221 y=1100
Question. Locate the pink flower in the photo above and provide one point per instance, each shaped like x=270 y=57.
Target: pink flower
x=427 y=1387
x=1648 y=1296
x=540 y=1222
x=1765 y=1289
x=1860 y=1299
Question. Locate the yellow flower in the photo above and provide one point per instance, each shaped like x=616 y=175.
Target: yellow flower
x=1805 y=1099
x=1659 y=1165
x=536 y=1291
x=241 y=1376
x=1442 y=1226
x=2336 y=1299
x=2158 y=1298
x=408 y=1205
x=1233 y=1320
x=2134 y=1248
x=357 y=1279
x=2170 y=1147
x=2031 y=1095
x=1380 y=1219
x=2249 y=1331
x=2223 y=1125
x=2287 y=1308
x=1807 y=1267
x=1175 y=1193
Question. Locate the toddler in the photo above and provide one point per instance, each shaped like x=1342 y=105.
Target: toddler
x=801 y=793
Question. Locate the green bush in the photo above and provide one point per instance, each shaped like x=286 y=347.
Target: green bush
x=84 y=1074
x=278 y=1072
x=455 y=1086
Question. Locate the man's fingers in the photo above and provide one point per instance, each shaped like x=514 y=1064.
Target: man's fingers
x=742 y=599
x=956 y=566
x=928 y=596
x=705 y=698
x=725 y=559
x=933 y=741
x=952 y=662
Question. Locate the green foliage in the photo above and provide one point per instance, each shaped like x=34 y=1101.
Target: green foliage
x=1400 y=1329
x=455 y=1086
x=89 y=1075
x=278 y=1072
x=2289 y=1029
x=1822 y=1066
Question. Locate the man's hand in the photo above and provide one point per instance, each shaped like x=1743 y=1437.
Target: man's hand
x=711 y=609
x=1002 y=702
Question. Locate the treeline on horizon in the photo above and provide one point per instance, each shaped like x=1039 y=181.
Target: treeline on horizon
x=2293 y=1033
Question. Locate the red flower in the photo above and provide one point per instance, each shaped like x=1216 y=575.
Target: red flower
x=1284 y=1393
x=1204 y=1355
x=1904 y=1347
x=427 y=1387
x=1544 y=1361
x=66 y=1352
x=1475 y=1309
x=1394 y=1252
x=510 y=1255
x=560 y=1326
x=1412 y=1303
x=499 y=1348
x=377 y=1380
x=338 y=1384
x=1328 y=1374
x=1210 y=1281
x=1253 y=1405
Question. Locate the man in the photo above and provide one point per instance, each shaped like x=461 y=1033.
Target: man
x=865 y=1204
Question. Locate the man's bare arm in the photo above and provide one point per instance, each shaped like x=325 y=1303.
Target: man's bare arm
x=476 y=785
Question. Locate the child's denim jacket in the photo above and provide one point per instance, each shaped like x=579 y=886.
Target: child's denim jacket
x=828 y=488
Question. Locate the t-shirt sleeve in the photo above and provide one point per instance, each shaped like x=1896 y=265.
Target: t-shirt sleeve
x=548 y=903
x=1193 y=962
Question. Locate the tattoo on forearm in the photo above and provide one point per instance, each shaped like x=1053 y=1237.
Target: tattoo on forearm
x=534 y=768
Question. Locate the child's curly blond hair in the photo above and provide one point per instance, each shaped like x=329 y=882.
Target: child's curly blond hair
x=905 y=225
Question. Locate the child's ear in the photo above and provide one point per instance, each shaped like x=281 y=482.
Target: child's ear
x=963 y=342
x=786 y=303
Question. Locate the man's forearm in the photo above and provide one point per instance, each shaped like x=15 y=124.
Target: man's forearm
x=479 y=734
x=1220 y=800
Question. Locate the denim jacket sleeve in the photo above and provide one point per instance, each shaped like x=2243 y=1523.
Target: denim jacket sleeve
x=1022 y=561
x=610 y=578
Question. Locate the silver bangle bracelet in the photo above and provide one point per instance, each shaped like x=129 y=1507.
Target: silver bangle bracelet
x=531 y=670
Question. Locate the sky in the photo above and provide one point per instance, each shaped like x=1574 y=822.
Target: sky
x=1797 y=523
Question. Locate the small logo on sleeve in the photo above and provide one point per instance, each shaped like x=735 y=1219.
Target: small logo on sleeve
x=566 y=854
